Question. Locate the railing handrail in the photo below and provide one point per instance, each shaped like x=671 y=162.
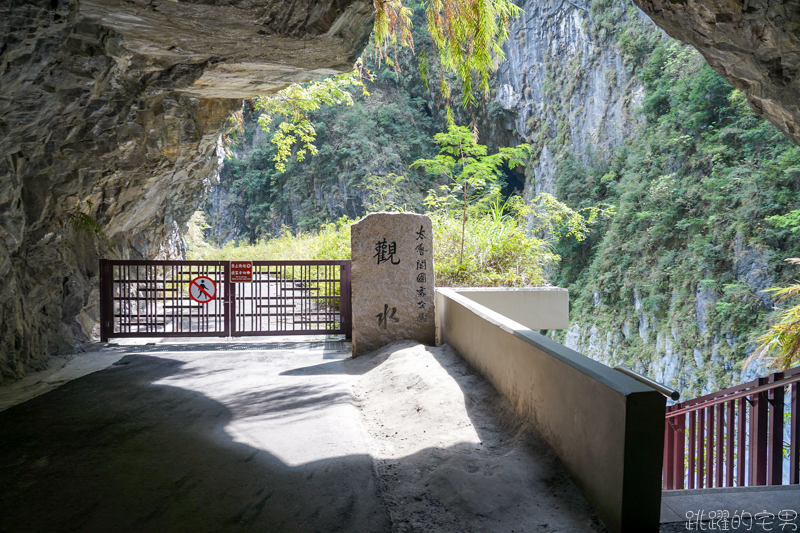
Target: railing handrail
x=663 y=389
x=778 y=379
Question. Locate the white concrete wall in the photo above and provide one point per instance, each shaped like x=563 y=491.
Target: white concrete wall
x=533 y=307
x=607 y=428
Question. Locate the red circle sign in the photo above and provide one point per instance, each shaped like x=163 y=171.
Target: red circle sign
x=202 y=289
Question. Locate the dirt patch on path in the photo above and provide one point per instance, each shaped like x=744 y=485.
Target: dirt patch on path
x=450 y=453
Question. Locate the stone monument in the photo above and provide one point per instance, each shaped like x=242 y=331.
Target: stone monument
x=392 y=280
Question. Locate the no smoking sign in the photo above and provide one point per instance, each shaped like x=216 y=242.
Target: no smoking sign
x=202 y=289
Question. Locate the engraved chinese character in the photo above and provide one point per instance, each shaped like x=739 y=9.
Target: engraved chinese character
x=422 y=318
x=421 y=305
x=719 y=520
x=384 y=317
x=421 y=249
x=421 y=233
x=385 y=251
x=422 y=278
x=422 y=264
x=421 y=292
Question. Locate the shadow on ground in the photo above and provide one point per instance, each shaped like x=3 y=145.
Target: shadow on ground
x=113 y=452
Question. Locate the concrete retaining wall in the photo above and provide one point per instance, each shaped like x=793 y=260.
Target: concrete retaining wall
x=607 y=428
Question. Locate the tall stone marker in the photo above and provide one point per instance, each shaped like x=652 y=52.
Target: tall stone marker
x=392 y=277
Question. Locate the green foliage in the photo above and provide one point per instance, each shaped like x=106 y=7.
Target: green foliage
x=359 y=147
x=383 y=191
x=780 y=345
x=697 y=178
x=790 y=221
x=82 y=222
x=498 y=252
x=468 y=36
x=331 y=242
x=294 y=105
x=506 y=243
x=474 y=175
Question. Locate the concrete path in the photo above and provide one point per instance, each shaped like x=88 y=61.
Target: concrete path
x=753 y=509
x=284 y=435
x=191 y=438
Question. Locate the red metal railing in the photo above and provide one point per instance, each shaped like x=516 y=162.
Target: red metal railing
x=735 y=437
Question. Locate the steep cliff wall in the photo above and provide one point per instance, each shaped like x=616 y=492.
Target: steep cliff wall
x=566 y=85
x=620 y=113
x=112 y=108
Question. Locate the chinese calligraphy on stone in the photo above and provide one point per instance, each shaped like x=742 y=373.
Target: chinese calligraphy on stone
x=387 y=315
x=386 y=251
x=396 y=302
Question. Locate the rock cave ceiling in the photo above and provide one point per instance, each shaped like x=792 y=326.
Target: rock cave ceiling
x=754 y=44
x=247 y=47
x=120 y=102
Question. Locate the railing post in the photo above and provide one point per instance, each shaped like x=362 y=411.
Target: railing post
x=710 y=447
x=794 y=447
x=758 y=437
x=720 y=444
x=679 y=447
x=345 y=304
x=741 y=430
x=229 y=325
x=692 y=449
x=701 y=430
x=775 y=454
x=669 y=443
x=729 y=442
x=106 y=300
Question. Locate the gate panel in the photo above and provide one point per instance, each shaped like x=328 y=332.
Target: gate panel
x=152 y=299
x=293 y=298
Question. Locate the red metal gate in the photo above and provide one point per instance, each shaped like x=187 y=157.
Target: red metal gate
x=164 y=299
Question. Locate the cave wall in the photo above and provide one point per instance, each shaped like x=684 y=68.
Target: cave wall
x=754 y=44
x=113 y=108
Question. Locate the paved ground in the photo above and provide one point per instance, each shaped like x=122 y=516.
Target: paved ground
x=273 y=438
x=753 y=509
x=285 y=435
x=191 y=440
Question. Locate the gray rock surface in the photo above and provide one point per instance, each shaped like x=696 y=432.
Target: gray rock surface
x=393 y=281
x=113 y=108
x=551 y=43
x=754 y=44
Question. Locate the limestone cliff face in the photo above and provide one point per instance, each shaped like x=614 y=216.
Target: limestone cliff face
x=113 y=108
x=754 y=44
x=566 y=87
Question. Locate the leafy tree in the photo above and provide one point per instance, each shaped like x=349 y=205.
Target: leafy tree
x=781 y=344
x=474 y=175
x=468 y=36
x=294 y=104
x=383 y=191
